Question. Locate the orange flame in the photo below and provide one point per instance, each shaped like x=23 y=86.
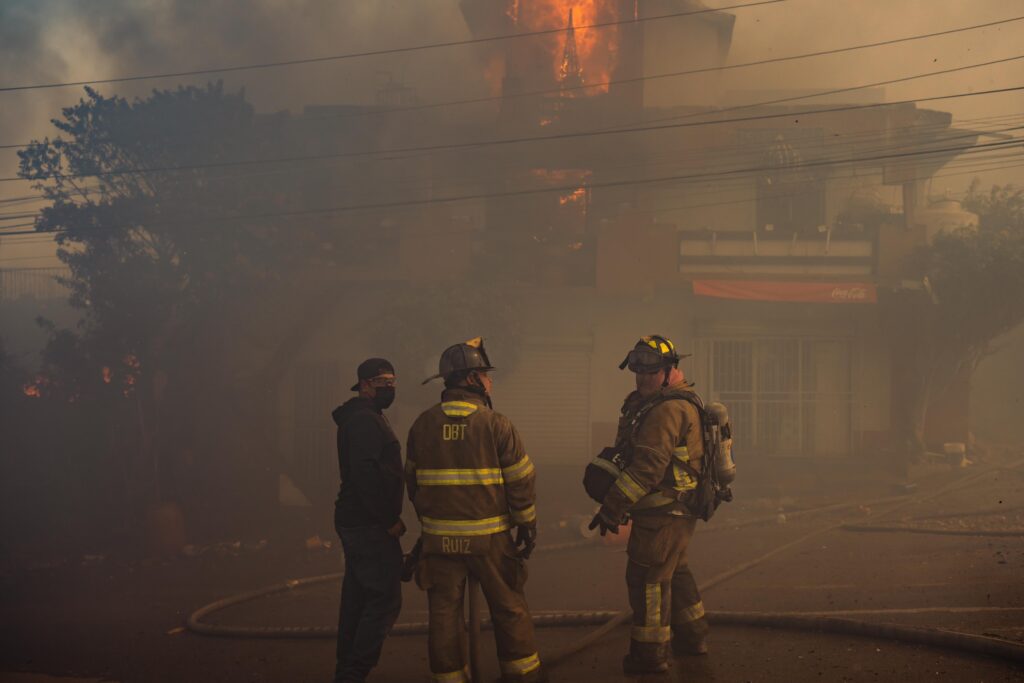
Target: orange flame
x=596 y=47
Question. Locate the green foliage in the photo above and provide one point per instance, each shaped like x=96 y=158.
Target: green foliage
x=166 y=249
x=163 y=251
x=1000 y=210
x=975 y=293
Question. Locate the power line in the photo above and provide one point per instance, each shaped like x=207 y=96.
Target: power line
x=598 y=185
x=378 y=53
x=674 y=74
x=37 y=237
x=719 y=153
x=580 y=134
x=839 y=91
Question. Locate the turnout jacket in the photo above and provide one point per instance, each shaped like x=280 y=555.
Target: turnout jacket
x=664 y=454
x=466 y=470
x=370 y=465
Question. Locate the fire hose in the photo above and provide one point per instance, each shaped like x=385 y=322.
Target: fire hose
x=609 y=621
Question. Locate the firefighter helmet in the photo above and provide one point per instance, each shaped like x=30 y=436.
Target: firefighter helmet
x=469 y=355
x=651 y=354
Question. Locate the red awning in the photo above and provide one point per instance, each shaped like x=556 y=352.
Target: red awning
x=767 y=290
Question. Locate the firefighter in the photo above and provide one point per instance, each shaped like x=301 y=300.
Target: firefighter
x=664 y=450
x=472 y=484
x=367 y=517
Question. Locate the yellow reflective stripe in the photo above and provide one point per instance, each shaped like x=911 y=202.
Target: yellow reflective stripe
x=520 y=667
x=652 y=606
x=681 y=454
x=651 y=634
x=521 y=469
x=459 y=408
x=460 y=676
x=684 y=482
x=629 y=486
x=691 y=613
x=459 y=477
x=465 y=527
x=525 y=516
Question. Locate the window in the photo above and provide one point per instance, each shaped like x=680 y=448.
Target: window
x=786 y=396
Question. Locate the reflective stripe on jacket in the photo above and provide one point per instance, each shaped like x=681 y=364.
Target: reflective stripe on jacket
x=466 y=470
x=667 y=444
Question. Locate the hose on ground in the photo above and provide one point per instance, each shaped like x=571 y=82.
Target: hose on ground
x=609 y=621
x=623 y=617
x=869 y=528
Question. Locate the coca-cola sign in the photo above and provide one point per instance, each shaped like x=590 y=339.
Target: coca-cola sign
x=852 y=293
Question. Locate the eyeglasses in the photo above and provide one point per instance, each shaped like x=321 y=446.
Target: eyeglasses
x=383 y=382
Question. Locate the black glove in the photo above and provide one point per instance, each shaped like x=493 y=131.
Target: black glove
x=526 y=536
x=410 y=561
x=606 y=524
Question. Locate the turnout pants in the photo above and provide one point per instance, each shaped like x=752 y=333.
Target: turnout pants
x=501 y=575
x=371 y=598
x=662 y=592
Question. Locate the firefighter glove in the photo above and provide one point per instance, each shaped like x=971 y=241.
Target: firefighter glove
x=526 y=539
x=600 y=520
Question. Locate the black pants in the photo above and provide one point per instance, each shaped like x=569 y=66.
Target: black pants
x=371 y=598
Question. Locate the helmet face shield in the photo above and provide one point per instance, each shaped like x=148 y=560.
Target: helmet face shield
x=646 y=361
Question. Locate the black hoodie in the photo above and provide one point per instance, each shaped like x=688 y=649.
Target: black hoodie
x=370 y=464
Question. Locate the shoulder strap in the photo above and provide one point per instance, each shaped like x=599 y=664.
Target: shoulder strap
x=682 y=395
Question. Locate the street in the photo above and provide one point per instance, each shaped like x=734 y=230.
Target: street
x=108 y=623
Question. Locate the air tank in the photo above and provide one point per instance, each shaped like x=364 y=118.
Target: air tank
x=725 y=466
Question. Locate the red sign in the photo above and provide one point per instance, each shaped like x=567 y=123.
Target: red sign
x=766 y=290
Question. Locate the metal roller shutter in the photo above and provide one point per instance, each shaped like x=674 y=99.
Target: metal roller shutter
x=547 y=397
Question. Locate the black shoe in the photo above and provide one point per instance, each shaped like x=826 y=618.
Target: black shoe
x=633 y=666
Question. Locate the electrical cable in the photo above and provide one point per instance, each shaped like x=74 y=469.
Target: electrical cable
x=381 y=52
x=597 y=185
x=609 y=83
x=720 y=153
x=548 y=138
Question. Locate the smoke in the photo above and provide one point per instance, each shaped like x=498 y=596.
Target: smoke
x=51 y=40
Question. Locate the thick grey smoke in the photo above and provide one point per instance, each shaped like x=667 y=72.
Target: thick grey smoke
x=47 y=41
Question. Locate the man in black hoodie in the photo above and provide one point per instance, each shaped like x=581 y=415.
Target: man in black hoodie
x=367 y=517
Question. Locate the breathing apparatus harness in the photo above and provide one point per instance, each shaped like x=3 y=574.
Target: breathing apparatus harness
x=652 y=354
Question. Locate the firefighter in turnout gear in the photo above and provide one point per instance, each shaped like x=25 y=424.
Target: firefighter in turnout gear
x=665 y=450
x=472 y=484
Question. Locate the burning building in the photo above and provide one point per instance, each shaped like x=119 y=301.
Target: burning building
x=767 y=242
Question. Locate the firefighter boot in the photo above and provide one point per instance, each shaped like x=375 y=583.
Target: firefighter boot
x=645 y=658
x=535 y=676
x=686 y=643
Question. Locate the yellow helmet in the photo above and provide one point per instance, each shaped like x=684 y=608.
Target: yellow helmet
x=651 y=354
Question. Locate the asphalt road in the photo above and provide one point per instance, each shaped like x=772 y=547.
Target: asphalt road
x=122 y=621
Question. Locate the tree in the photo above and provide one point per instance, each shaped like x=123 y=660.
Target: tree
x=974 y=293
x=166 y=248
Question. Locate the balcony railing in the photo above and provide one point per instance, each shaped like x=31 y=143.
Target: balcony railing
x=822 y=252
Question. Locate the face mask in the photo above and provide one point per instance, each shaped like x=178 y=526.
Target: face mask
x=383 y=397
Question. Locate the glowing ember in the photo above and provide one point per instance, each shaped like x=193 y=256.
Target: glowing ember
x=107 y=375
x=577 y=195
